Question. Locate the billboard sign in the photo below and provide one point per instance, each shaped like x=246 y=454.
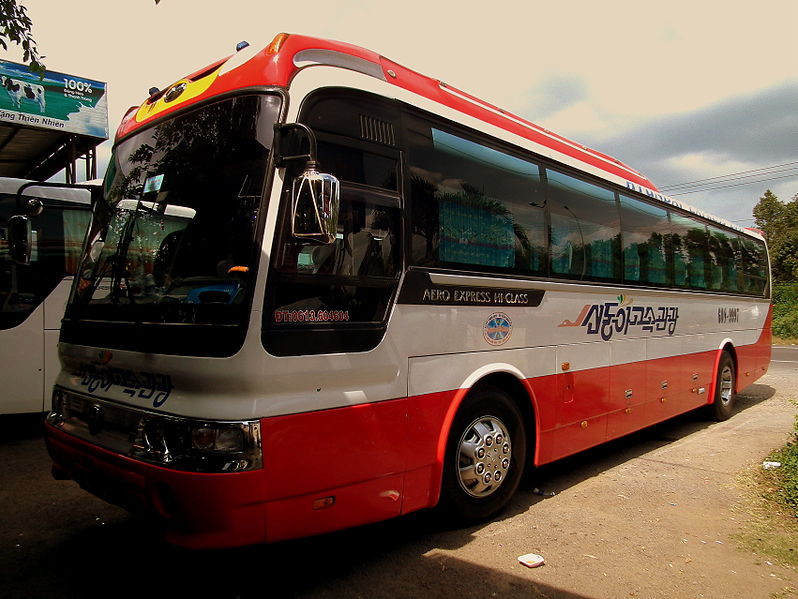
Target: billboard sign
x=58 y=101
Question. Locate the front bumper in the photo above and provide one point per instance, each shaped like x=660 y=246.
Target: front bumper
x=198 y=510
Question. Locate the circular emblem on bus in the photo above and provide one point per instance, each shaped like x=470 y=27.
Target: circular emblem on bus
x=497 y=328
x=173 y=92
x=103 y=357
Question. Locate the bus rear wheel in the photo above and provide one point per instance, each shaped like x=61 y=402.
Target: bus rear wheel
x=485 y=456
x=722 y=405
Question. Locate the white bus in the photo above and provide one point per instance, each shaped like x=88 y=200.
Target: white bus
x=376 y=294
x=33 y=296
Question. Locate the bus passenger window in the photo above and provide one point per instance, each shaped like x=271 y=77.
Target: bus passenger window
x=754 y=266
x=722 y=259
x=473 y=206
x=690 y=252
x=585 y=229
x=644 y=228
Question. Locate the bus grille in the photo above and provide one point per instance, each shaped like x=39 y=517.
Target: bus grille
x=103 y=423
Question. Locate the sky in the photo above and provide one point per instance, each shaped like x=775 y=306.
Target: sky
x=681 y=91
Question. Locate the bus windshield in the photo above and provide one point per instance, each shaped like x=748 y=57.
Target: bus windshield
x=173 y=240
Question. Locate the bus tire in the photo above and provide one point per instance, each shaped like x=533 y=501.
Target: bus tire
x=485 y=456
x=722 y=405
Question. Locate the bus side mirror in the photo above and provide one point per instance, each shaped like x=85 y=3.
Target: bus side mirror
x=315 y=196
x=20 y=238
x=315 y=205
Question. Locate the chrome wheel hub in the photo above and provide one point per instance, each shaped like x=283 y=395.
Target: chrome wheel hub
x=484 y=455
x=726 y=384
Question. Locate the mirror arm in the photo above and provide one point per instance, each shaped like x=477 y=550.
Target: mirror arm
x=19 y=223
x=34 y=207
x=279 y=130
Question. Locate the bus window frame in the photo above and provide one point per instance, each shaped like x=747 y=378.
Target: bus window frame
x=336 y=336
x=432 y=120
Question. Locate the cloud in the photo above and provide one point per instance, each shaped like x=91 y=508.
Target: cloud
x=750 y=131
x=554 y=94
x=758 y=129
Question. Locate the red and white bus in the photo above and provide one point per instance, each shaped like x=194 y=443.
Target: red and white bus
x=324 y=290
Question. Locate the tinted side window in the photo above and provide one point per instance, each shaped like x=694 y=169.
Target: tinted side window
x=57 y=236
x=585 y=229
x=754 y=266
x=690 y=252
x=336 y=297
x=356 y=165
x=353 y=276
x=723 y=256
x=473 y=206
x=645 y=255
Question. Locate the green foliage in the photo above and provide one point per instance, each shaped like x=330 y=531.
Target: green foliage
x=788 y=473
x=786 y=326
x=15 y=27
x=785 y=310
x=779 y=221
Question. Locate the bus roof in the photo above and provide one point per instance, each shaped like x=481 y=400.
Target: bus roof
x=277 y=63
x=286 y=55
x=66 y=193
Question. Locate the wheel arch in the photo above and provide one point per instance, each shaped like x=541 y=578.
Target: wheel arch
x=508 y=379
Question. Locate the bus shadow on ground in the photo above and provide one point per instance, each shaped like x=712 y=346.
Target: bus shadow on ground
x=18 y=427
x=385 y=560
x=371 y=562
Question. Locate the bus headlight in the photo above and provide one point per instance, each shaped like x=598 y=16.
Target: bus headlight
x=207 y=438
x=166 y=440
x=198 y=446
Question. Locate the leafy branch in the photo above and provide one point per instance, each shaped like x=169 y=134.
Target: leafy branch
x=15 y=28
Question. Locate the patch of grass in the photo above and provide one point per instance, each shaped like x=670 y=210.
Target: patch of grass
x=786 y=477
x=772 y=506
x=771 y=530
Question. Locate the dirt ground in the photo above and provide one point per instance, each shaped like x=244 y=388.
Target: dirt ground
x=658 y=514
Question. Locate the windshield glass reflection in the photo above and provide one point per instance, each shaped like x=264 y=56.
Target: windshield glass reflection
x=174 y=239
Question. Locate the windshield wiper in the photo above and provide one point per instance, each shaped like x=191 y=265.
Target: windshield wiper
x=119 y=272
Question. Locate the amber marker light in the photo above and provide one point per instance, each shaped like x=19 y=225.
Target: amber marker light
x=324 y=502
x=276 y=43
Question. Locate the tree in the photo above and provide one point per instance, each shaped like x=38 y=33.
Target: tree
x=15 y=27
x=779 y=221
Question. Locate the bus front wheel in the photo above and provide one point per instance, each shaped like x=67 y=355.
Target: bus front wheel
x=485 y=456
x=722 y=405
